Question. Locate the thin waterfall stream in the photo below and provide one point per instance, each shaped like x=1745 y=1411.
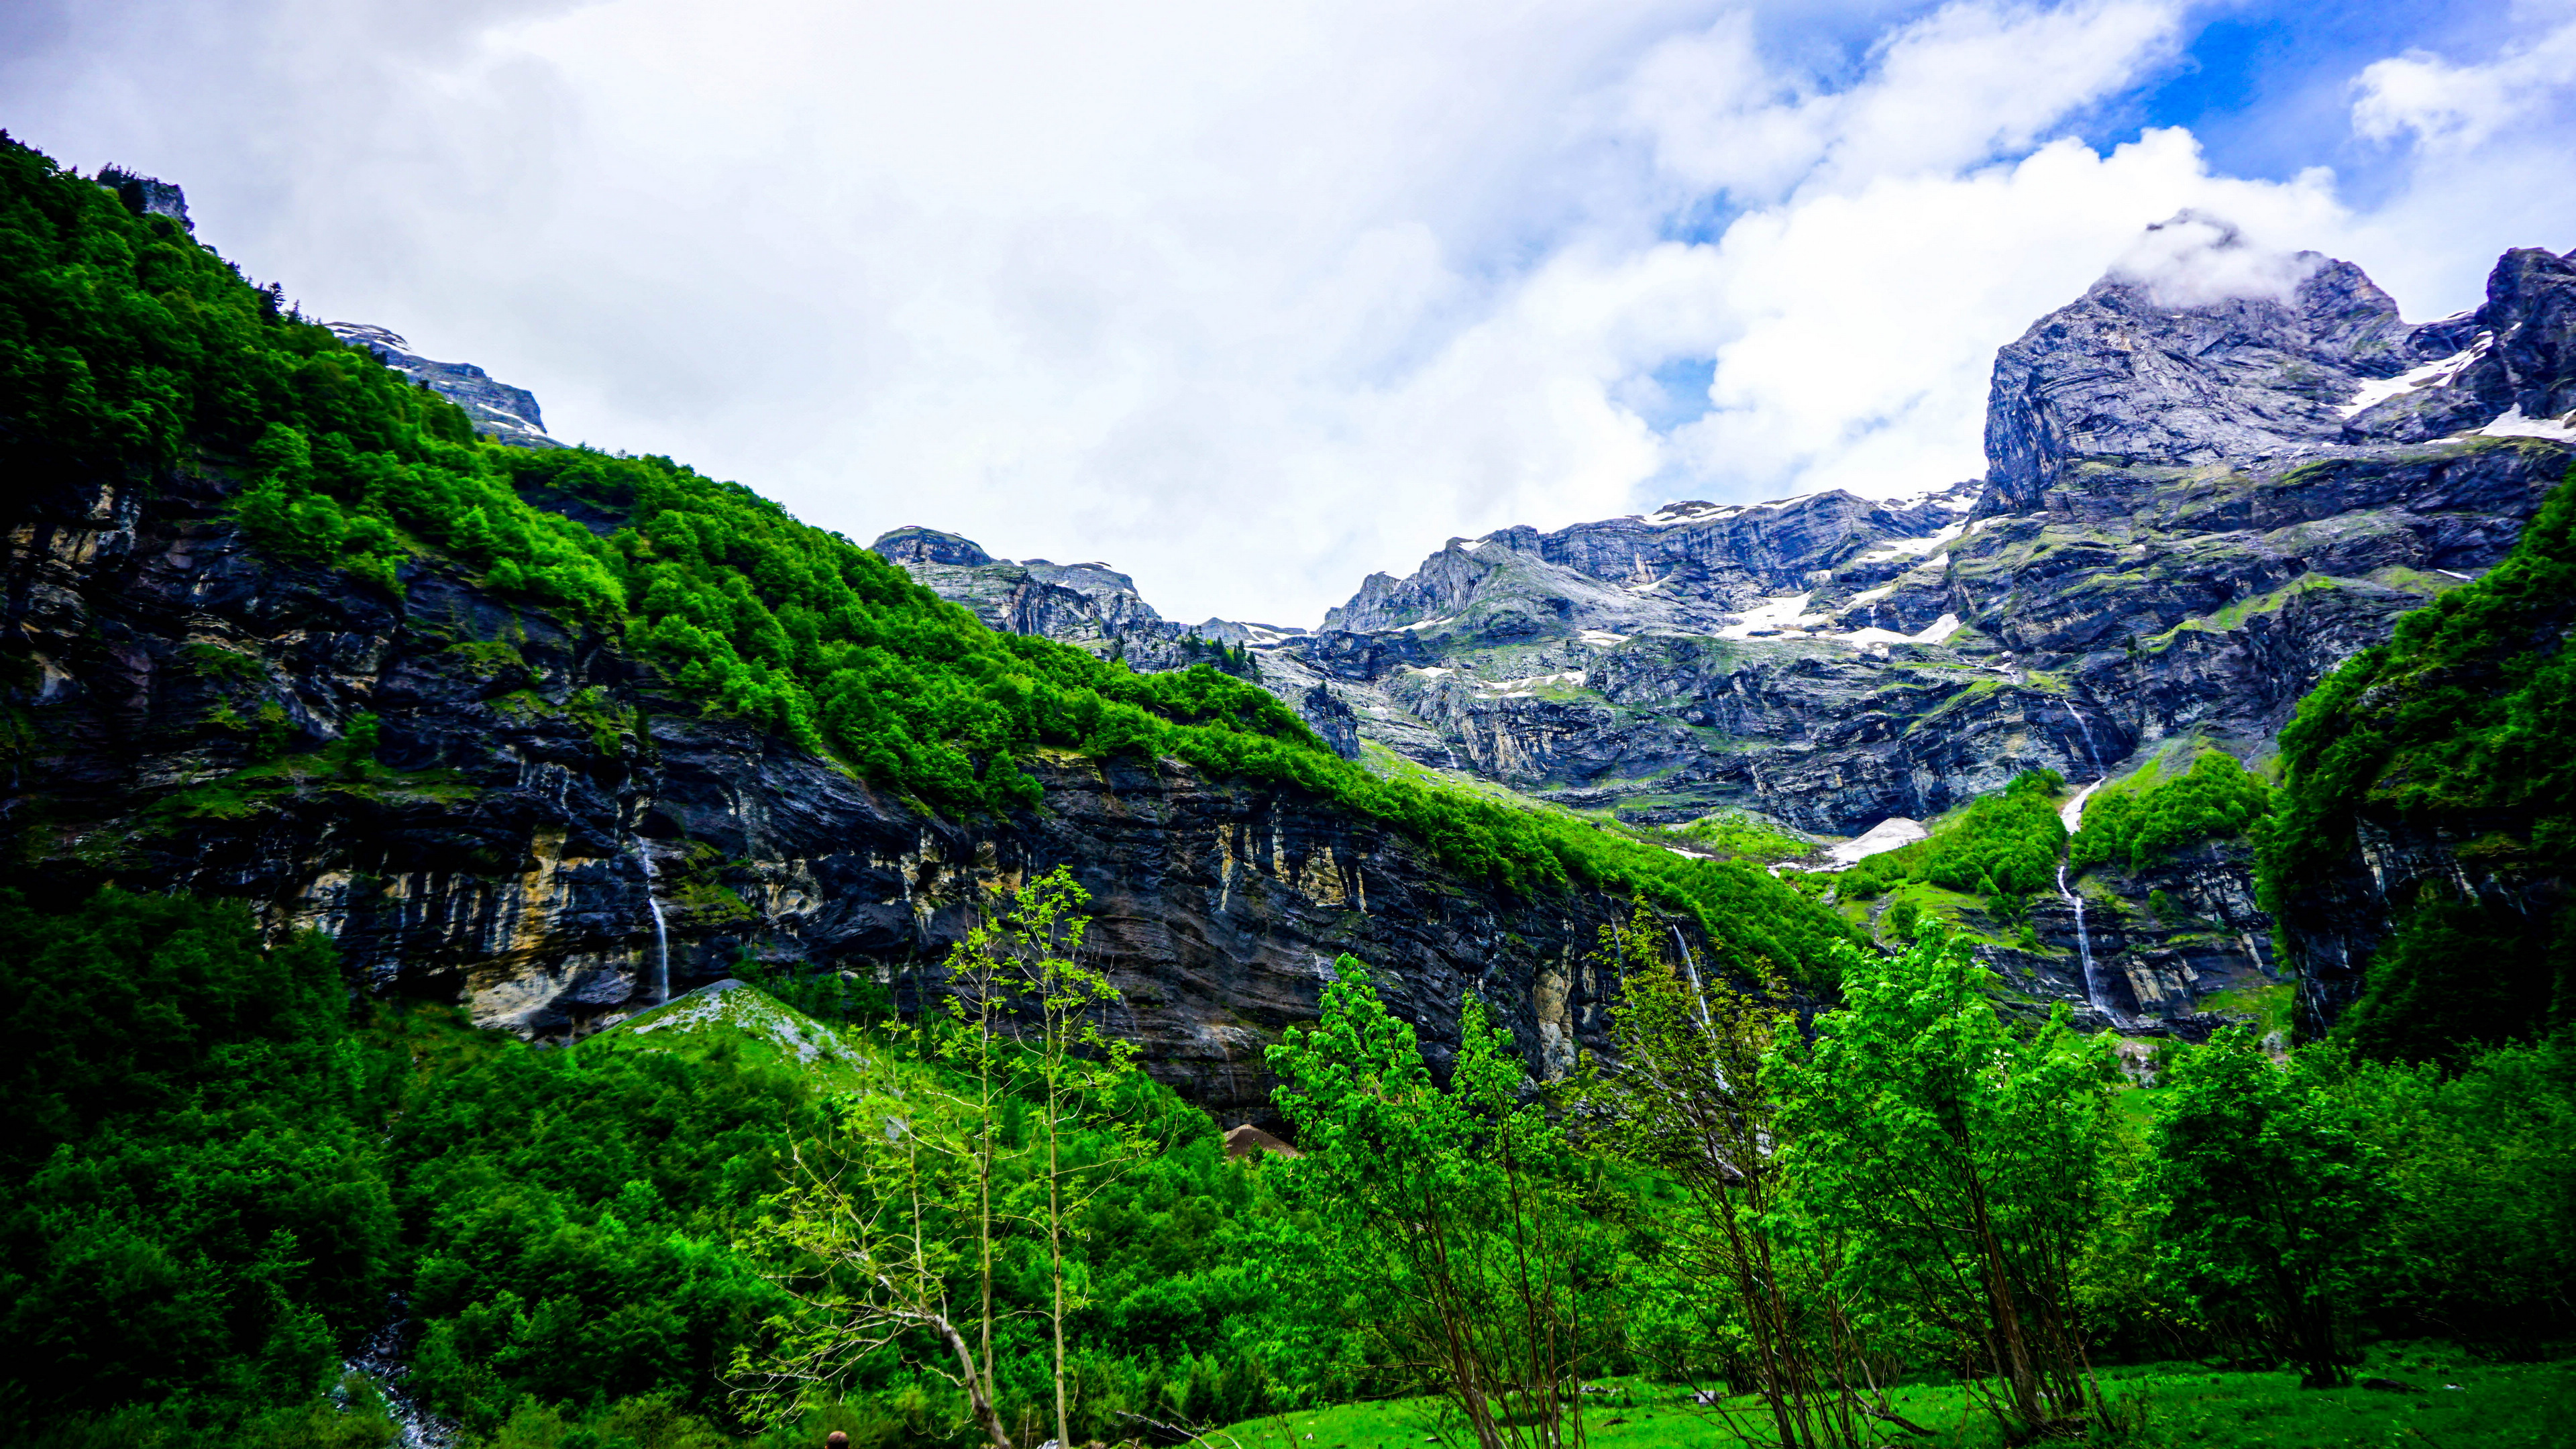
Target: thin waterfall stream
x=661 y=936
x=2072 y=817
x=2092 y=755
x=1690 y=967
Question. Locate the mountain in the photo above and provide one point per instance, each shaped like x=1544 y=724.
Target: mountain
x=500 y=411
x=2194 y=510
x=559 y=734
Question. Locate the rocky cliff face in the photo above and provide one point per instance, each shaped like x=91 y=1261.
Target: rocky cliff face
x=550 y=835
x=498 y=409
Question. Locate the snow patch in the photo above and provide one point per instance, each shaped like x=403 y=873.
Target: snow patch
x=1897 y=548
x=1932 y=633
x=1886 y=835
x=1602 y=637
x=1523 y=687
x=1772 y=616
x=1675 y=514
x=2440 y=373
x=2514 y=425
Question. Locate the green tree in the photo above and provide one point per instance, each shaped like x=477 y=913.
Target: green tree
x=1970 y=1163
x=1453 y=1215
x=873 y=1236
x=194 y=1208
x=1695 y=1096
x=1080 y=1146
x=2262 y=1197
x=2134 y=828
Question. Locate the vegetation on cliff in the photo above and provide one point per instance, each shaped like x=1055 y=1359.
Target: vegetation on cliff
x=126 y=347
x=2142 y=821
x=2004 y=847
x=2456 y=731
x=219 y=1181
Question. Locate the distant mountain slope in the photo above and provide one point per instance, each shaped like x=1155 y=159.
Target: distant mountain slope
x=2423 y=856
x=501 y=412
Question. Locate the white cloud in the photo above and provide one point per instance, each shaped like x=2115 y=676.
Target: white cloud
x=1955 y=88
x=1248 y=301
x=1865 y=326
x=2193 y=259
x=2456 y=107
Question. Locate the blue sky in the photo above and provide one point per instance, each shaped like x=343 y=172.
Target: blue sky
x=1252 y=301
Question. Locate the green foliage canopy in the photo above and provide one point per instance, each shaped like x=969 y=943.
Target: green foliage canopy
x=2004 y=847
x=2134 y=828
x=2458 y=727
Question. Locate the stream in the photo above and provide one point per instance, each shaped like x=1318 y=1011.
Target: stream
x=380 y=1361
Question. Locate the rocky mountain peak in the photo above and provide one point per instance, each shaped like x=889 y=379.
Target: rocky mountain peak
x=916 y=545
x=499 y=410
x=2144 y=372
x=2125 y=372
x=147 y=195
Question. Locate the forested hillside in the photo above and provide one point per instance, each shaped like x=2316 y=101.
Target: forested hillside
x=2421 y=853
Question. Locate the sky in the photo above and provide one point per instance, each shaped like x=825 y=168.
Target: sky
x=1252 y=300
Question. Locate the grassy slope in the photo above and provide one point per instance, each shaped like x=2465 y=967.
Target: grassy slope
x=2495 y=1406
x=756 y=1029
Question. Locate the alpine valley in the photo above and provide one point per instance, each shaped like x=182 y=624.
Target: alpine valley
x=2233 y=692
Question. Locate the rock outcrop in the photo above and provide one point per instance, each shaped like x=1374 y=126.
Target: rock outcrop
x=147 y=195
x=499 y=410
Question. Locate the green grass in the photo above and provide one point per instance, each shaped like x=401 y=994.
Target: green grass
x=2268 y=1006
x=2494 y=1406
x=1741 y=832
x=2233 y=615
x=255 y=788
x=752 y=1027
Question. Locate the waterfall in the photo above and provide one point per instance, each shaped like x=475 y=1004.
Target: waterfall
x=661 y=937
x=2092 y=755
x=380 y=1360
x=2084 y=945
x=2072 y=815
x=1690 y=967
